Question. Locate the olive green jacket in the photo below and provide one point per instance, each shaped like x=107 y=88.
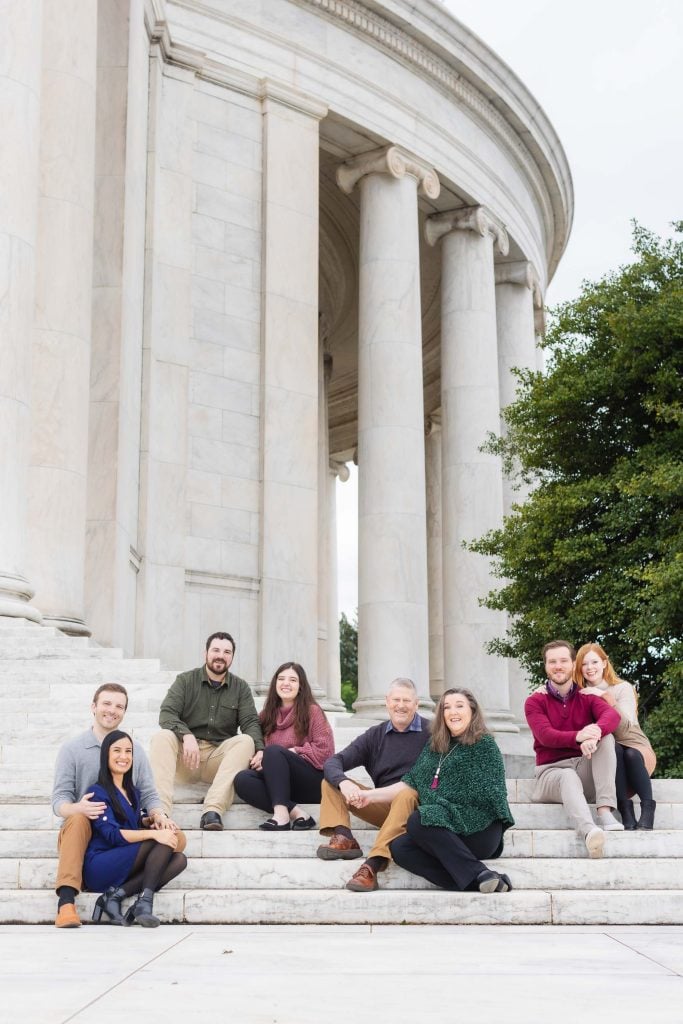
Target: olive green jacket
x=210 y=713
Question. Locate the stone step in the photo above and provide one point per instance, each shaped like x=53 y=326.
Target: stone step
x=84 y=670
x=276 y=906
x=240 y=843
x=311 y=873
x=56 y=650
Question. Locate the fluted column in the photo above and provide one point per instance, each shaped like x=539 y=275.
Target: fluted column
x=517 y=295
x=471 y=479
x=434 y=553
x=393 y=635
x=516 y=290
x=20 y=82
x=336 y=469
x=61 y=345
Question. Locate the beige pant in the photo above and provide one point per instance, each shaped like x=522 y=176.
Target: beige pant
x=218 y=765
x=390 y=817
x=575 y=780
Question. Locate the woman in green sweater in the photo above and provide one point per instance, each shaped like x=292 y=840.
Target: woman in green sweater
x=463 y=810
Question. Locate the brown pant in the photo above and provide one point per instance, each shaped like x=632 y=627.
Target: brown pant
x=573 y=779
x=73 y=839
x=390 y=817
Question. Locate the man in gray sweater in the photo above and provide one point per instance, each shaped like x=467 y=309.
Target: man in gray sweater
x=76 y=770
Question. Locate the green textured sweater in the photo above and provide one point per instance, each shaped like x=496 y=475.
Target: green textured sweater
x=471 y=792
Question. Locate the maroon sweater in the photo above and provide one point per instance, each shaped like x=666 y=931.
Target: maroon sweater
x=555 y=723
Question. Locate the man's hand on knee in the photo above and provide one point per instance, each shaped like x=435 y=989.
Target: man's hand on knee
x=190 y=751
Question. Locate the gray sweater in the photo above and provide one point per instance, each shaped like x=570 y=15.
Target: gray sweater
x=78 y=765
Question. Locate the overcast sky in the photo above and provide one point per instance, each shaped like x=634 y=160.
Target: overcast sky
x=609 y=75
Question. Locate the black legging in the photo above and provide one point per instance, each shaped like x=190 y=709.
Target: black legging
x=285 y=778
x=443 y=857
x=631 y=774
x=154 y=867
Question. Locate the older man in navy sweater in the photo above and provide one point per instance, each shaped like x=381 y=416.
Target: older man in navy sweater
x=575 y=756
x=386 y=751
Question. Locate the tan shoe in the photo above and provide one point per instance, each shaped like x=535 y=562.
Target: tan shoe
x=364 y=880
x=67 y=917
x=339 y=848
x=595 y=842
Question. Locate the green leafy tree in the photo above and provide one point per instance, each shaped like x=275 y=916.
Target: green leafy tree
x=596 y=551
x=348 y=649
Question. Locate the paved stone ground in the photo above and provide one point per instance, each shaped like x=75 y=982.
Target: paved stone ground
x=310 y=975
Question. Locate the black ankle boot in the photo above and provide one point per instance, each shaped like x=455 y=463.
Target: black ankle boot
x=627 y=816
x=647 y=814
x=142 y=911
x=109 y=903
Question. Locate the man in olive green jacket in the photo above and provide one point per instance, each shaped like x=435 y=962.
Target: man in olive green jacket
x=199 y=742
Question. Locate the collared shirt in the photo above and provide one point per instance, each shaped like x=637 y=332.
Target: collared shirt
x=415 y=725
x=554 y=692
x=78 y=766
x=212 y=713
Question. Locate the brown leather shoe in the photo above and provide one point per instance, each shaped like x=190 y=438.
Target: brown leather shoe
x=340 y=848
x=364 y=880
x=67 y=917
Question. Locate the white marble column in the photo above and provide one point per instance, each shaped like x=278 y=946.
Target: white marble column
x=434 y=553
x=20 y=86
x=517 y=293
x=289 y=367
x=117 y=322
x=471 y=479
x=61 y=344
x=329 y=677
x=339 y=470
x=393 y=634
x=166 y=364
x=516 y=289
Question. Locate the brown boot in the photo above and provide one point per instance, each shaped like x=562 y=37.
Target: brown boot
x=67 y=917
x=364 y=880
x=339 y=848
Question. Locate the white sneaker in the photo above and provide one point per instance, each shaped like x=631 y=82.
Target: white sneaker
x=608 y=823
x=595 y=842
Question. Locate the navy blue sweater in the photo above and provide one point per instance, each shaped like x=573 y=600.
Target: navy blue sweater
x=386 y=756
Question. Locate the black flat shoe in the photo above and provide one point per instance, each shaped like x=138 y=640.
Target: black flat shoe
x=211 y=822
x=490 y=881
x=270 y=825
x=303 y=824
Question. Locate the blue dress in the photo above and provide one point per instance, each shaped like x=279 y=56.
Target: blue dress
x=109 y=858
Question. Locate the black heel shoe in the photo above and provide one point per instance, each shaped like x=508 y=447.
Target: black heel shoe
x=142 y=911
x=109 y=903
x=625 y=808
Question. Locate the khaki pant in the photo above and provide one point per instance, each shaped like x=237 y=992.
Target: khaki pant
x=575 y=780
x=73 y=839
x=390 y=817
x=218 y=765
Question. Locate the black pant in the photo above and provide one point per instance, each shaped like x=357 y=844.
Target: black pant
x=285 y=778
x=631 y=774
x=444 y=858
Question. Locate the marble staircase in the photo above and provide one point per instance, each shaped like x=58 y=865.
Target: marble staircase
x=245 y=876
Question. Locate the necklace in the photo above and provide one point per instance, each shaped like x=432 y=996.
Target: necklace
x=442 y=760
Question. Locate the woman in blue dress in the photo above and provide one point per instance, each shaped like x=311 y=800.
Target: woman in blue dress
x=123 y=858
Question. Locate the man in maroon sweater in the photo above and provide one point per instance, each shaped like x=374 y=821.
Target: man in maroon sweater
x=575 y=755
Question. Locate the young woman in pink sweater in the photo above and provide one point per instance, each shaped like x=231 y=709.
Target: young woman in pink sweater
x=298 y=741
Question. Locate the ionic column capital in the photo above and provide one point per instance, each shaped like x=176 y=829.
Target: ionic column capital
x=468 y=218
x=393 y=161
x=339 y=468
x=521 y=272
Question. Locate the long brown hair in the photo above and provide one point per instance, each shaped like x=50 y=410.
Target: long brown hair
x=441 y=737
x=609 y=675
x=303 y=702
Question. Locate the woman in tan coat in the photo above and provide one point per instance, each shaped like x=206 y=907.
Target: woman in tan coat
x=593 y=673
